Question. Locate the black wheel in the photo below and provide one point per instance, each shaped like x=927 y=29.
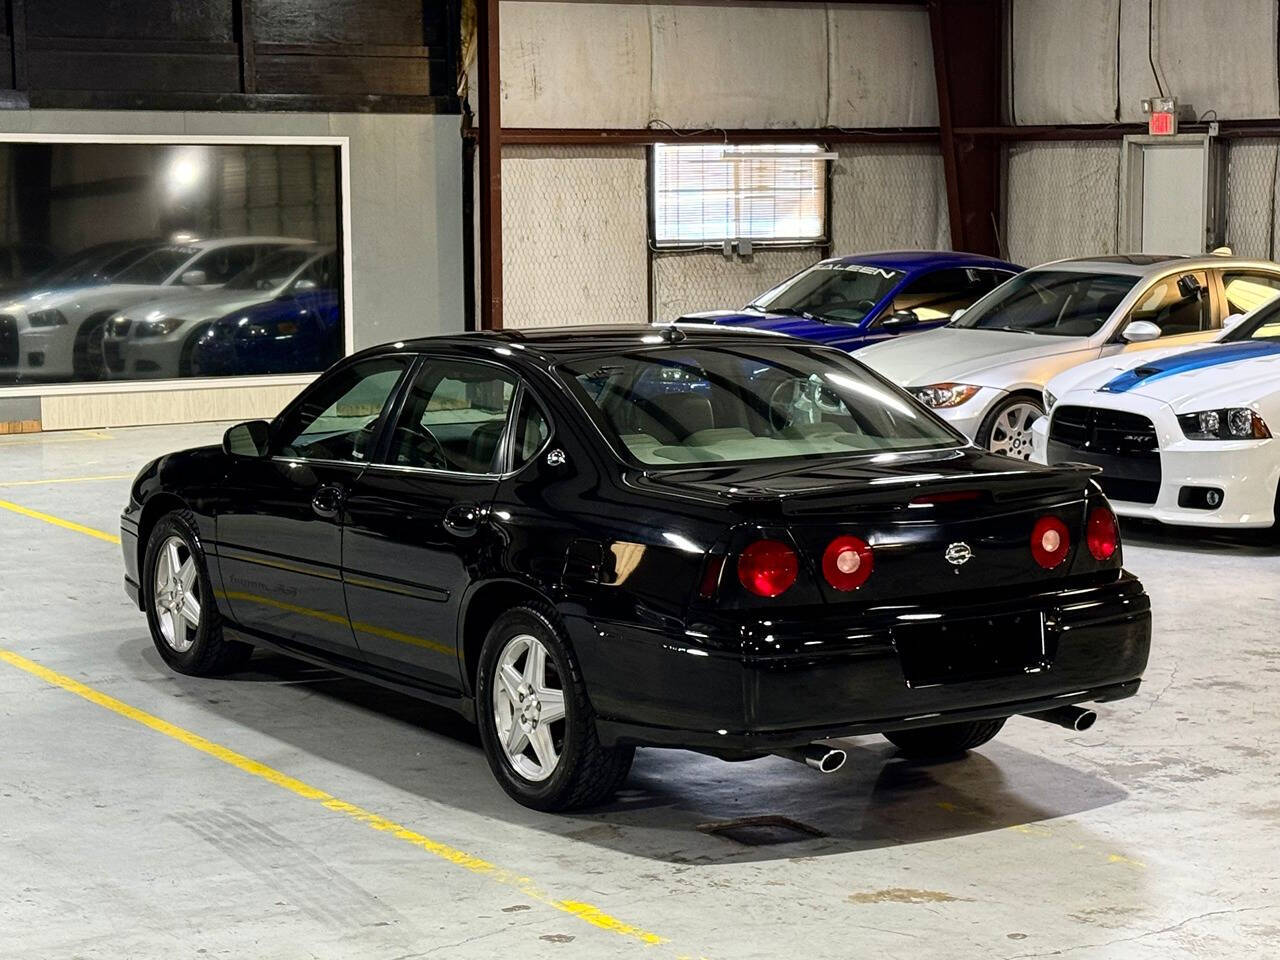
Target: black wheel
x=1007 y=428
x=87 y=361
x=181 y=610
x=536 y=723
x=186 y=367
x=946 y=740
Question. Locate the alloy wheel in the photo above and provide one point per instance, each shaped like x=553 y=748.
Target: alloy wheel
x=529 y=707
x=1011 y=433
x=176 y=596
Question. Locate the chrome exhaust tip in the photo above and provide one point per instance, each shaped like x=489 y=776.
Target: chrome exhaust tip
x=1073 y=718
x=818 y=756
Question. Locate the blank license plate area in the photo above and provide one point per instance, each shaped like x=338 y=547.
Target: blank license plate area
x=978 y=648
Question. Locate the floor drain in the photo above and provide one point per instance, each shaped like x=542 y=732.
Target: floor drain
x=762 y=831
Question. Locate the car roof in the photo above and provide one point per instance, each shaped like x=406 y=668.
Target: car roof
x=909 y=260
x=554 y=344
x=1150 y=264
x=216 y=242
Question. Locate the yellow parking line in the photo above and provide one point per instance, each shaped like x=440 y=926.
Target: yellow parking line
x=583 y=911
x=41 y=483
x=59 y=522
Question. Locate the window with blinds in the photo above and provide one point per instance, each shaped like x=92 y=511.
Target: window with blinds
x=765 y=193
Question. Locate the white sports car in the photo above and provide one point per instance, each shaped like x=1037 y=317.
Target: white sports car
x=57 y=334
x=985 y=372
x=1184 y=436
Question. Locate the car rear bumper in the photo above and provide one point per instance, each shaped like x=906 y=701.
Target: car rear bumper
x=833 y=675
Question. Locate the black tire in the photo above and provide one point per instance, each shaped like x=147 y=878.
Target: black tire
x=995 y=418
x=586 y=773
x=946 y=740
x=185 y=366
x=87 y=361
x=210 y=653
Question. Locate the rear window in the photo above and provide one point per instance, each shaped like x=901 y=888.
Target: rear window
x=675 y=405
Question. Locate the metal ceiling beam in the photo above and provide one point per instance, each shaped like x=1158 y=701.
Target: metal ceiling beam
x=598 y=136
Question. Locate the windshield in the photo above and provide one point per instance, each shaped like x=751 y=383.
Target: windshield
x=831 y=291
x=272 y=272
x=1061 y=303
x=690 y=405
x=156 y=267
x=1263 y=325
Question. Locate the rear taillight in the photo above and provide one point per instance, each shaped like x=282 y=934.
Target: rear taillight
x=711 y=577
x=768 y=568
x=1050 y=542
x=847 y=562
x=1101 y=534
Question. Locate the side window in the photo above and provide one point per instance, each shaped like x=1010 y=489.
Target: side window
x=222 y=264
x=1247 y=291
x=1176 y=305
x=320 y=274
x=454 y=417
x=339 y=419
x=532 y=430
x=940 y=293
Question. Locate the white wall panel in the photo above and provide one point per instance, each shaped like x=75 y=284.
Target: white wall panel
x=1213 y=55
x=574 y=236
x=880 y=67
x=575 y=64
x=707 y=280
x=1251 y=196
x=1060 y=200
x=1063 y=60
x=739 y=65
x=888 y=197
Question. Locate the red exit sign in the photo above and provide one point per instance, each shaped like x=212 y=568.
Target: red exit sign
x=1162 y=124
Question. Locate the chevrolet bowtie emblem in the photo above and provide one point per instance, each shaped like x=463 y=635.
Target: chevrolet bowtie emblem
x=958 y=553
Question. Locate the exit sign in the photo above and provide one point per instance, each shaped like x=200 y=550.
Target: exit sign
x=1162 y=124
x=1162 y=116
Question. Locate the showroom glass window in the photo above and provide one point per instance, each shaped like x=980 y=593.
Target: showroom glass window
x=126 y=256
x=704 y=194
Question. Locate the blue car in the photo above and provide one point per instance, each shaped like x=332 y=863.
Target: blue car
x=849 y=302
x=301 y=333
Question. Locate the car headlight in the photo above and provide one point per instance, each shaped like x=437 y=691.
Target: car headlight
x=158 y=328
x=1232 y=423
x=47 y=318
x=939 y=395
x=1049 y=401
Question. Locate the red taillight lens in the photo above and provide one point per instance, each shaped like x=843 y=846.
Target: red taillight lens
x=847 y=562
x=768 y=568
x=1101 y=534
x=711 y=577
x=1050 y=542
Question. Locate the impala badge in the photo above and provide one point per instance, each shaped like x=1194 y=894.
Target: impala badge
x=958 y=554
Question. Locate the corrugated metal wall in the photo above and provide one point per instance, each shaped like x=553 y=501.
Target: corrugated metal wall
x=1061 y=199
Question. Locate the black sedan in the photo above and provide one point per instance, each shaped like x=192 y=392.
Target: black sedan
x=588 y=540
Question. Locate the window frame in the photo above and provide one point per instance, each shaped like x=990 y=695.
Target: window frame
x=1213 y=306
x=667 y=246
x=342 y=144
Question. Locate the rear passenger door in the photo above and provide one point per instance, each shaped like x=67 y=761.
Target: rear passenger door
x=416 y=522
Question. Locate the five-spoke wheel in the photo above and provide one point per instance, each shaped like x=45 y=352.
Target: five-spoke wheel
x=176 y=594
x=528 y=708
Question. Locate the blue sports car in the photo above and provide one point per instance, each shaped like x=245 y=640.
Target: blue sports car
x=849 y=302
x=301 y=333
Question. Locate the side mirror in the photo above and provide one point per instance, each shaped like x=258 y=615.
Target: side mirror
x=1140 y=331
x=899 y=320
x=1188 y=286
x=195 y=278
x=1232 y=321
x=956 y=315
x=251 y=439
x=303 y=284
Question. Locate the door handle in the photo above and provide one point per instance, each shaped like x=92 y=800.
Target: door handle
x=463 y=519
x=327 y=501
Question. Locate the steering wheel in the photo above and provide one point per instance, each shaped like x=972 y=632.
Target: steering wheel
x=427 y=451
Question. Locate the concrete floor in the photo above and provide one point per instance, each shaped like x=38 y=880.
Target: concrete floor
x=1154 y=835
